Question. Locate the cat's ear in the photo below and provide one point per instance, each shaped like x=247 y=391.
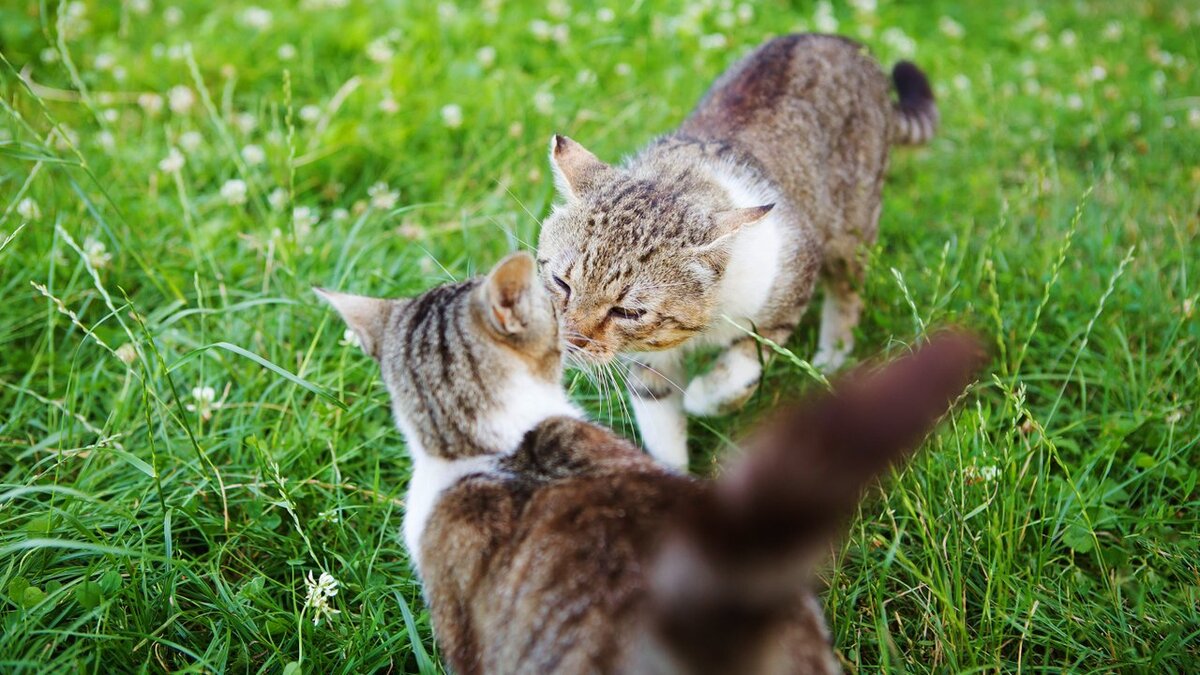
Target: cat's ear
x=508 y=294
x=367 y=317
x=575 y=169
x=726 y=224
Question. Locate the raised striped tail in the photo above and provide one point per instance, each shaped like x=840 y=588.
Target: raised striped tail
x=916 y=113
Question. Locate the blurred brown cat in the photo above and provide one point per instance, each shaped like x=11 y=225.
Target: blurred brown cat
x=547 y=544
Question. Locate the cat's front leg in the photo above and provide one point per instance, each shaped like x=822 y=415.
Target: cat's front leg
x=657 y=400
x=729 y=384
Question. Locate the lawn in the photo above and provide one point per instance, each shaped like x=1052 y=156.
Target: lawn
x=186 y=435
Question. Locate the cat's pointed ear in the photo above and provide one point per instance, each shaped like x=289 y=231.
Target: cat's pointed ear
x=575 y=169
x=367 y=317
x=508 y=294
x=726 y=224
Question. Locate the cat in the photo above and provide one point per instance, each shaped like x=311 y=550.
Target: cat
x=546 y=543
x=772 y=183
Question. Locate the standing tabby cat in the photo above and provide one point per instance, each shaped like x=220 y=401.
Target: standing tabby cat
x=547 y=544
x=773 y=181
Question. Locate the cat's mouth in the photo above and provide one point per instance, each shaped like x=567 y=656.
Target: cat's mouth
x=587 y=356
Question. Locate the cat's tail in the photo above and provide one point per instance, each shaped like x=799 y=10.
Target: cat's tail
x=915 y=116
x=741 y=558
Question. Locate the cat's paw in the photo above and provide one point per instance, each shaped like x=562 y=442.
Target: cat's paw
x=716 y=393
x=828 y=360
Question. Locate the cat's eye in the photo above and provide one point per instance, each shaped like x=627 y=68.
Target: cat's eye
x=566 y=289
x=627 y=313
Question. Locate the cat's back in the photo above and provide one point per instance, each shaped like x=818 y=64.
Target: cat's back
x=541 y=568
x=815 y=78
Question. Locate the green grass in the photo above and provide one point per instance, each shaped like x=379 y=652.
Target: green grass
x=1052 y=522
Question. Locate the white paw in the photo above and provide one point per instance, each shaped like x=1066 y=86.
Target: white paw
x=829 y=360
x=716 y=393
x=663 y=428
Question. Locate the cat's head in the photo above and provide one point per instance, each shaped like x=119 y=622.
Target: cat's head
x=470 y=366
x=632 y=265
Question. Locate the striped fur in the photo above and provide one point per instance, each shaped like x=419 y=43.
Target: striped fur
x=565 y=549
x=771 y=186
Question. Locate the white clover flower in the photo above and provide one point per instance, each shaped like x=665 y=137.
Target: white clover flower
x=864 y=6
x=1067 y=38
x=540 y=29
x=320 y=592
x=173 y=162
x=191 y=140
x=310 y=113
x=486 y=56
x=713 y=41
x=350 y=339
x=286 y=51
x=233 y=191
x=1168 y=122
x=127 y=353
x=981 y=474
x=151 y=103
x=1074 y=102
x=823 y=19
x=1158 y=80
x=110 y=115
x=96 y=253
x=138 y=6
x=180 y=99
x=1193 y=117
x=543 y=102
x=382 y=197
x=176 y=52
x=585 y=77
x=1035 y=21
x=745 y=12
x=1040 y=43
x=119 y=73
x=28 y=209
x=104 y=61
x=1112 y=31
x=106 y=140
x=899 y=41
x=623 y=69
x=73 y=21
x=278 y=198
x=961 y=82
x=380 y=50
x=256 y=18
x=561 y=33
x=605 y=15
x=254 y=155
x=339 y=215
x=303 y=219
x=1133 y=121
x=516 y=129
x=951 y=28
x=245 y=122
x=1098 y=73
x=388 y=104
x=447 y=11
x=48 y=55
x=204 y=402
x=558 y=9
x=172 y=16
x=726 y=20
x=452 y=115
x=1031 y=87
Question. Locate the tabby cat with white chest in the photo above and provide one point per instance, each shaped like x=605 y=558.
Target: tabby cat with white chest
x=772 y=184
x=547 y=544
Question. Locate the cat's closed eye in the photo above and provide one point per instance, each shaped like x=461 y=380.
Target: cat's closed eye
x=566 y=288
x=627 y=313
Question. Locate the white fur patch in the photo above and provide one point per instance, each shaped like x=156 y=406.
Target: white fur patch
x=528 y=402
x=753 y=262
x=664 y=429
x=729 y=382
